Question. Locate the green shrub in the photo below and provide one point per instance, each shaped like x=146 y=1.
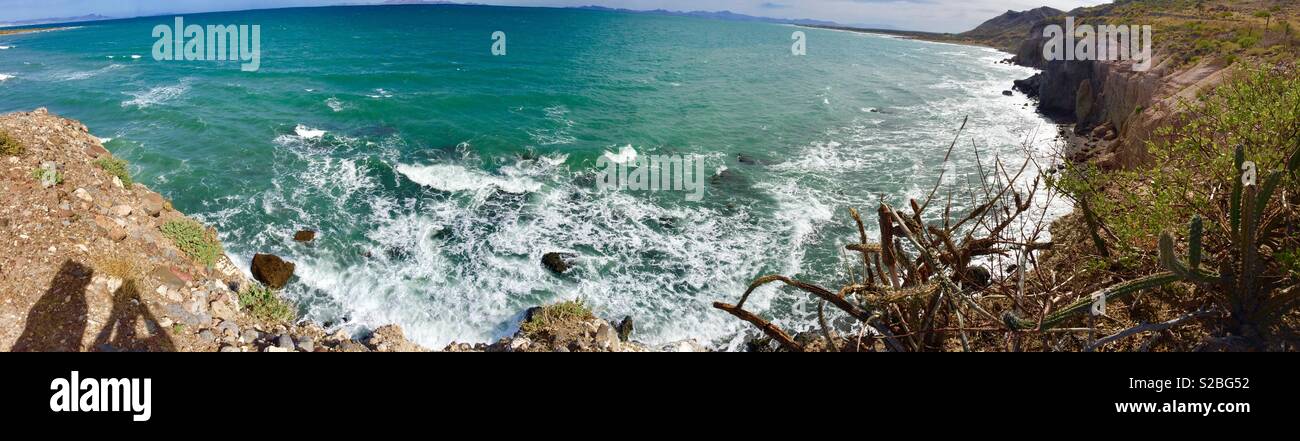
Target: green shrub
x=1247 y=41
x=557 y=313
x=10 y=146
x=40 y=174
x=191 y=238
x=115 y=167
x=264 y=305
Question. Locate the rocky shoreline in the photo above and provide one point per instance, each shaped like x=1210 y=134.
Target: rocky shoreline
x=90 y=267
x=93 y=266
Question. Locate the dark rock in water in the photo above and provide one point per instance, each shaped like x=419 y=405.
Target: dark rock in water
x=1008 y=93
x=728 y=178
x=625 y=329
x=304 y=236
x=978 y=276
x=1029 y=86
x=272 y=270
x=558 y=263
x=749 y=160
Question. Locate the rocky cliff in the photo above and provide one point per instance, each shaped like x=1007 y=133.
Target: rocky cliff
x=1113 y=107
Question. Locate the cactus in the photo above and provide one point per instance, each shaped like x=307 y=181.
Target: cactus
x=1234 y=204
x=1241 y=271
x=1191 y=269
x=1178 y=271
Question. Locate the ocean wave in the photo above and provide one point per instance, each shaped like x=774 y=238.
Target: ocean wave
x=5 y=77
x=305 y=132
x=157 y=95
x=380 y=94
x=554 y=160
x=5 y=47
x=455 y=178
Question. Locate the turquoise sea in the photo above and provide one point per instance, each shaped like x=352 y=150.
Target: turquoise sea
x=438 y=174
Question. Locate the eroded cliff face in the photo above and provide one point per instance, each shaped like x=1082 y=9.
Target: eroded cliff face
x=1102 y=96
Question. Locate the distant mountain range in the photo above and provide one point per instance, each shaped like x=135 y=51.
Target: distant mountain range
x=716 y=15
x=41 y=21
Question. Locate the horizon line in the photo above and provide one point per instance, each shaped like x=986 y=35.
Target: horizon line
x=11 y=25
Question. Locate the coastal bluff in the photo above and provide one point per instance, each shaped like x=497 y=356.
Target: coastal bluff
x=91 y=264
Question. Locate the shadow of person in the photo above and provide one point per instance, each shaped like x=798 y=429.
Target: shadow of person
x=130 y=326
x=57 y=321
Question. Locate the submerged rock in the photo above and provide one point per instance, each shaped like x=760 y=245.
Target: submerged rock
x=272 y=270
x=304 y=236
x=558 y=263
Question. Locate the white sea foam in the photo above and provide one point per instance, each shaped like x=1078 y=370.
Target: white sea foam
x=334 y=104
x=5 y=47
x=135 y=57
x=381 y=94
x=75 y=76
x=455 y=178
x=308 y=133
x=5 y=77
x=555 y=160
x=157 y=95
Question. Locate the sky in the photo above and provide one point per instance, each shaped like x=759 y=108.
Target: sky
x=921 y=15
